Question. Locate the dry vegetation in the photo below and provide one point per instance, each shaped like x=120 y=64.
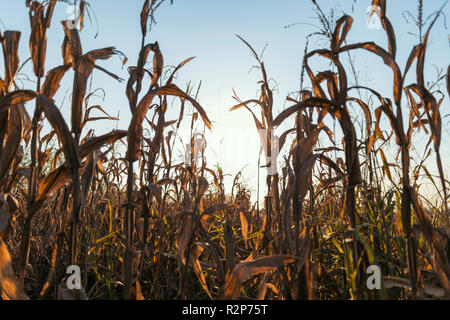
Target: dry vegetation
x=141 y=226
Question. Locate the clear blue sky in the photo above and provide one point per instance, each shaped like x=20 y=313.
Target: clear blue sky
x=206 y=29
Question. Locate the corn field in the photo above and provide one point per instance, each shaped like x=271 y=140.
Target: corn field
x=141 y=225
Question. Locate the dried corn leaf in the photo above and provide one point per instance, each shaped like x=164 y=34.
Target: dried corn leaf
x=388 y=60
x=72 y=46
x=15 y=98
x=186 y=228
x=178 y=68
x=39 y=21
x=52 y=182
x=88 y=174
x=413 y=55
x=11 y=55
x=381 y=4
x=52 y=80
x=392 y=42
x=135 y=128
x=5 y=214
x=344 y=24
x=144 y=17
x=58 y=123
x=100 y=141
x=17 y=123
x=245 y=270
x=9 y=285
x=196 y=252
x=312 y=102
x=244 y=225
x=173 y=90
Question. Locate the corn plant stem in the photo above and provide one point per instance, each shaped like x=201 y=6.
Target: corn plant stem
x=301 y=294
x=2 y=139
x=351 y=210
x=88 y=240
x=140 y=75
x=129 y=213
x=257 y=188
x=297 y=215
x=268 y=203
x=32 y=189
x=151 y=169
x=276 y=200
x=144 y=240
x=406 y=220
x=76 y=207
x=351 y=156
x=129 y=227
x=188 y=254
x=155 y=283
x=25 y=248
x=35 y=166
x=268 y=211
x=61 y=234
x=444 y=188
x=406 y=204
x=146 y=222
x=297 y=205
